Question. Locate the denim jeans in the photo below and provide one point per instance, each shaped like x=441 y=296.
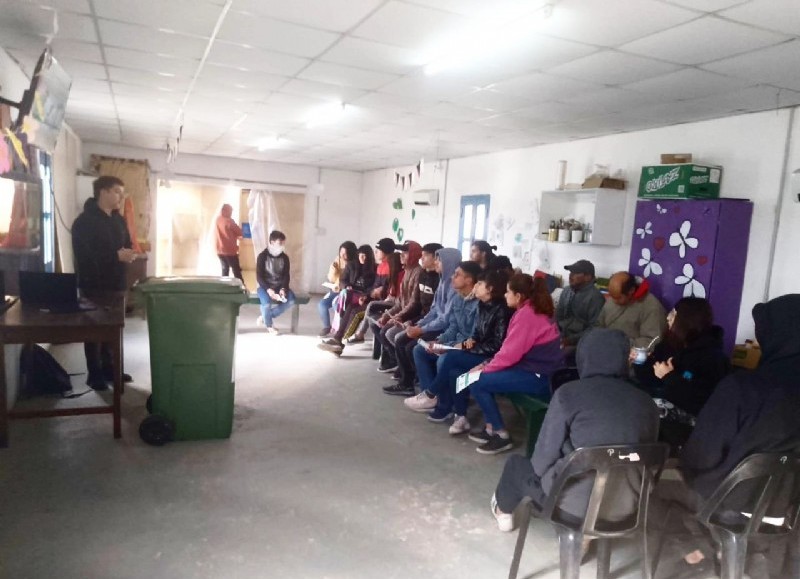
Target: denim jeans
x=270 y=308
x=453 y=364
x=508 y=380
x=324 y=307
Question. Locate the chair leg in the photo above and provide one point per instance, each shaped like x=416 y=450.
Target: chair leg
x=734 y=554
x=569 y=547
x=524 y=523
x=603 y=558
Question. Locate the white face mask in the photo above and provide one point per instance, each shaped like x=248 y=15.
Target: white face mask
x=275 y=249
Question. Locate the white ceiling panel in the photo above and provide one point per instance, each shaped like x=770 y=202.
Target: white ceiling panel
x=336 y=15
x=774 y=65
x=225 y=77
x=346 y=75
x=147 y=93
x=492 y=101
x=455 y=112
x=195 y=17
x=607 y=100
x=147 y=79
x=76 y=27
x=136 y=37
x=85 y=51
x=756 y=98
x=780 y=15
x=125 y=58
x=686 y=84
x=390 y=102
x=77 y=6
x=425 y=88
x=274 y=35
x=376 y=56
x=322 y=91
x=478 y=8
x=541 y=87
x=707 y=5
x=80 y=69
x=612 y=22
x=89 y=85
x=410 y=26
x=25 y=18
x=703 y=40
x=509 y=122
x=551 y=112
x=611 y=67
x=244 y=57
x=31 y=45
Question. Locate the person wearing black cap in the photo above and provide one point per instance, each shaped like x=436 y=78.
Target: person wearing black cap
x=481 y=252
x=579 y=304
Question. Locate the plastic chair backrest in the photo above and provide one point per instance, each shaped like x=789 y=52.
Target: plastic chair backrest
x=646 y=459
x=766 y=474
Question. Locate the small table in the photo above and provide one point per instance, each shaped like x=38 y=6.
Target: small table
x=26 y=325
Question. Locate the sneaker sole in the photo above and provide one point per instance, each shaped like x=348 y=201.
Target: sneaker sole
x=453 y=432
x=417 y=409
x=478 y=439
x=440 y=420
x=331 y=349
x=387 y=370
x=505 y=448
x=404 y=393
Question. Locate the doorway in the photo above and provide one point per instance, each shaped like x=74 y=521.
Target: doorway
x=473 y=221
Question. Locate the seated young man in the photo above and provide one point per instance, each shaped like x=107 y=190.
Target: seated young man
x=272 y=273
x=601 y=408
x=440 y=397
x=460 y=325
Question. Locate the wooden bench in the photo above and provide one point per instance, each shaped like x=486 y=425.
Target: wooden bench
x=299 y=300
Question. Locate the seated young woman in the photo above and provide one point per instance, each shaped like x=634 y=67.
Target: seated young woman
x=685 y=368
x=529 y=354
x=439 y=398
x=347 y=253
x=356 y=280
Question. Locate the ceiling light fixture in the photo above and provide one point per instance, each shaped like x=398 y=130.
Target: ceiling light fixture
x=326 y=114
x=487 y=37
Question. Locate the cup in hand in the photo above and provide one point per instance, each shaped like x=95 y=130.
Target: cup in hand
x=639 y=355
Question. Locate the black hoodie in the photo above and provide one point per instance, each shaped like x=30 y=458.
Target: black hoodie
x=599 y=409
x=96 y=238
x=751 y=411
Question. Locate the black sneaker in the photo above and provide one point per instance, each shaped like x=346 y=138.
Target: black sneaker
x=355 y=339
x=480 y=436
x=126 y=378
x=98 y=384
x=398 y=390
x=495 y=445
x=331 y=345
x=387 y=369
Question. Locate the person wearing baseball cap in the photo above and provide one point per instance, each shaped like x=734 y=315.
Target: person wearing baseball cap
x=379 y=292
x=579 y=304
x=385 y=245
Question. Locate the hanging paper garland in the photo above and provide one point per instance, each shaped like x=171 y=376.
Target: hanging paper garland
x=405 y=177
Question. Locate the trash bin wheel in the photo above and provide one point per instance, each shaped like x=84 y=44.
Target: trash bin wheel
x=149 y=404
x=156 y=430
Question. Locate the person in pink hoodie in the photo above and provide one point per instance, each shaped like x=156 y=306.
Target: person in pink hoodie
x=529 y=354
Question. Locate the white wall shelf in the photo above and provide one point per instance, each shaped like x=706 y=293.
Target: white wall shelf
x=604 y=209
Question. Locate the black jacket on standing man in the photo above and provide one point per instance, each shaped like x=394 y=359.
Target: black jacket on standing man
x=96 y=238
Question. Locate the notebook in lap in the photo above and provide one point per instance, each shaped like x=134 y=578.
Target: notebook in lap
x=54 y=292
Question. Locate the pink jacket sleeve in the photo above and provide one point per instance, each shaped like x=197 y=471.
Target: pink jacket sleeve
x=524 y=332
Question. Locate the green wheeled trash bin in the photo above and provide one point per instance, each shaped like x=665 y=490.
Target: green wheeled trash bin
x=192 y=326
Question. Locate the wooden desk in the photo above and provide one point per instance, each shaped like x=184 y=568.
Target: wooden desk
x=25 y=325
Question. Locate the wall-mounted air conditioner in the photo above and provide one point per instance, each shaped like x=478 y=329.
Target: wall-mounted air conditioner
x=426 y=197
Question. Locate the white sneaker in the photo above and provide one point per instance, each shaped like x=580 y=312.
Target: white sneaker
x=460 y=425
x=260 y=321
x=421 y=402
x=272 y=331
x=505 y=521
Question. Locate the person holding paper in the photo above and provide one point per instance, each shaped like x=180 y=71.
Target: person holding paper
x=529 y=354
x=440 y=397
x=460 y=326
x=347 y=253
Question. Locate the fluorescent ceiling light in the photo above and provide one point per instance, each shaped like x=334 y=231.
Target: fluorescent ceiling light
x=326 y=114
x=489 y=36
x=270 y=143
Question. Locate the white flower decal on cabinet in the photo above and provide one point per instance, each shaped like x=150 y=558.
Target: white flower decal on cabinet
x=649 y=265
x=646 y=230
x=691 y=287
x=681 y=239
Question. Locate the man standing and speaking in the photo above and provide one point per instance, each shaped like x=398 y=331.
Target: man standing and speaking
x=102 y=247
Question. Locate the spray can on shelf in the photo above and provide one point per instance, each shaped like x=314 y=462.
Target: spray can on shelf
x=552 y=232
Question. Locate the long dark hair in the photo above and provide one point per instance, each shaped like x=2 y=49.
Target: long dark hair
x=369 y=263
x=693 y=318
x=395 y=269
x=497 y=280
x=534 y=290
x=350 y=250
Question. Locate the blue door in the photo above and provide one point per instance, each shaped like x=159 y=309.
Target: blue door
x=474 y=221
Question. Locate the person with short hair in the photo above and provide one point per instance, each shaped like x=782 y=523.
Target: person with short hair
x=579 y=304
x=227 y=233
x=272 y=273
x=601 y=408
x=481 y=252
x=633 y=309
x=529 y=354
x=102 y=247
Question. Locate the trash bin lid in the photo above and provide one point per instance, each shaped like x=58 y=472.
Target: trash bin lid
x=191 y=285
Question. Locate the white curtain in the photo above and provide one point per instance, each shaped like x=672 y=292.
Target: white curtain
x=263 y=218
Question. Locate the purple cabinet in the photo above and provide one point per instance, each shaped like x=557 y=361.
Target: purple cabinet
x=694 y=248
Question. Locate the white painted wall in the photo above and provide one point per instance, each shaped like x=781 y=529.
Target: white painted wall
x=749 y=147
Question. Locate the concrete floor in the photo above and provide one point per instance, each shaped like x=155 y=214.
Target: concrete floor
x=324 y=477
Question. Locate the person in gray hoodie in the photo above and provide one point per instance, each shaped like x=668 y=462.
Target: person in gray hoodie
x=601 y=408
x=429 y=326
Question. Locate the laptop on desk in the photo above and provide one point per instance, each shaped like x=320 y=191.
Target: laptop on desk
x=53 y=292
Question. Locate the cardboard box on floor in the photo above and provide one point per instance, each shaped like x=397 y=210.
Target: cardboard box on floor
x=746 y=356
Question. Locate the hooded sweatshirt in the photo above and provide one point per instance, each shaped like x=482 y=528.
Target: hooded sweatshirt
x=407 y=307
x=434 y=320
x=751 y=411
x=428 y=284
x=227 y=232
x=602 y=408
x=642 y=319
x=96 y=238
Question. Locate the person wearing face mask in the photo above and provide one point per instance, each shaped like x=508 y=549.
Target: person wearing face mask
x=272 y=273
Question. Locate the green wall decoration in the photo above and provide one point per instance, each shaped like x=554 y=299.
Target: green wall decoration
x=400 y=233
x=395 y=224
x=413 y=214
x=397 y=204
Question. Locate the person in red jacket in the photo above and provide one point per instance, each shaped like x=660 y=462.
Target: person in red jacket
x=227 y=238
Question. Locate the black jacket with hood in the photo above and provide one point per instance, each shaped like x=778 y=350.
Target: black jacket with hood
x=491 y=326
x=96 y=238
x=751 y=411
x=601 y=408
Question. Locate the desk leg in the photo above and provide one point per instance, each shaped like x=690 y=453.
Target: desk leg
x=3 y=405
x=117 y=352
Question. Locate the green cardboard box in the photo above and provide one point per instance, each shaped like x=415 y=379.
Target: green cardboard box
x=684 y=181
